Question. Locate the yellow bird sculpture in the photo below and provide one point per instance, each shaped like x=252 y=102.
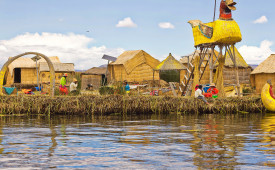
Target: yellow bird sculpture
x=225 y=30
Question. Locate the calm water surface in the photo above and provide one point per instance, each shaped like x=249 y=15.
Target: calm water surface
x=138 y=142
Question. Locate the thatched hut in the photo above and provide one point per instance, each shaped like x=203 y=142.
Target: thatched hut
x=262 y=73
x=23 y=71
x=133 y=66
x=171 y=70
x=94 y=76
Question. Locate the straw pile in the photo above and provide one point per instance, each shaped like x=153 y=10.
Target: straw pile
x=105 y=105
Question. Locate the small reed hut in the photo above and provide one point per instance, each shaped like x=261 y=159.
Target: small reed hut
x=94 y=76
x=133 y=66
x=244 y=69
x=23 y=71
x=265 y=71
x=171 y=70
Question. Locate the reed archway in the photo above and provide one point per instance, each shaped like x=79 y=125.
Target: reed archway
x=52 y=72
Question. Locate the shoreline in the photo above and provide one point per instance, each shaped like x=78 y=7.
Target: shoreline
x=118 y=104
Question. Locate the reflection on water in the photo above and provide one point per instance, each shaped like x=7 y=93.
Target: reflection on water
x=138 y=142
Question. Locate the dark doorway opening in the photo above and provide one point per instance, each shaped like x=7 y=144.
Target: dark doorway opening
x=104 y=80
x=17 y=75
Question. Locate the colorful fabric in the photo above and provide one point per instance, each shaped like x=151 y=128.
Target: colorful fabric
x=214 y=96
x=207 y=95
x=63 y=81
x=63 y=90
x=205 y=89
x=127 y=88
x=9 y=90
x=213 y=90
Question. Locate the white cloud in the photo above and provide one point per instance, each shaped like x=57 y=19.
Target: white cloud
x=166 y=25
x=255 y=55
x=126 y=22
x=261 y=20
x=70 y=48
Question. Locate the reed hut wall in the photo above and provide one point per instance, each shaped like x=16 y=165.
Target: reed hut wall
x=44 y=77
x=229 y=75
x=95 y=80
x=28 y=76
x=261 y=79
x=141 y=73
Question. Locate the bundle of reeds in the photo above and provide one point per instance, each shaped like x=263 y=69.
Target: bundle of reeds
x=111 y=104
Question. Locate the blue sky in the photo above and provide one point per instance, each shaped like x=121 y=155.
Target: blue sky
x=65 y=24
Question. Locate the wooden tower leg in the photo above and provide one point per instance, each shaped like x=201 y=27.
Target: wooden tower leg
x=221 y=60
x=211 y=67
x=236 y=71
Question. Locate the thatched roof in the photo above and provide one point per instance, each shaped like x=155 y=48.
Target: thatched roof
x=170 y=63
x=239 y=59
x=267 y=66
x=24 y=62
x=96 y=71
x=131 y=59
x=58 y=67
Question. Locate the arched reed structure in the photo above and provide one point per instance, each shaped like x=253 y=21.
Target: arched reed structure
x=52 y=71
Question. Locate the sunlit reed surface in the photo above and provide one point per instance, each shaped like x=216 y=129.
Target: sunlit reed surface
x=138 y=142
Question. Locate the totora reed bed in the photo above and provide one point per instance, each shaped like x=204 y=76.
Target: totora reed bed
x=117 y=104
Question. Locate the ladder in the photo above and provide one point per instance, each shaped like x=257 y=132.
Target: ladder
x=188 y=77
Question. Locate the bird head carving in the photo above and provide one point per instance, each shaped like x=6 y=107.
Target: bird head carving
x=225 y=9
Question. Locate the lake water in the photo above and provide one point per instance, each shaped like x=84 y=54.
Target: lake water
x=138 y=142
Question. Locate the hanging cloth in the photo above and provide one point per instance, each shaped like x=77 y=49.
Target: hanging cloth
x=9 y=90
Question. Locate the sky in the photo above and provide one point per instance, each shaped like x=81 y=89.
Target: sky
x=81 y=31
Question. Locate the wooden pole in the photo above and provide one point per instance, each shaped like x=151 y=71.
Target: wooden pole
x=215 y=10
x=37 y=76
x=211 y=67
x=236 y=71
x=219 y=83
x=153 y=77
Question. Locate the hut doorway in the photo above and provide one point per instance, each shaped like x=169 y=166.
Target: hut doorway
x=17 y=75
x=103 y=80
x=170 y=75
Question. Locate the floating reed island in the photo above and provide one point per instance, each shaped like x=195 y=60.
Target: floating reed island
x=118 y=104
